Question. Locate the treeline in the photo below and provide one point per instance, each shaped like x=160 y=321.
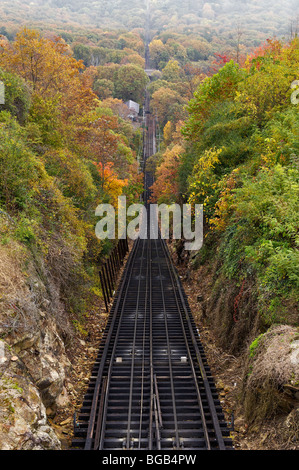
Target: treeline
x=63 y=151
x=213 y=17
x=100 y=48
x=236 y=152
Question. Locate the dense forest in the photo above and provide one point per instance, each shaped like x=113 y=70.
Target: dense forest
x=62 y=150
x=209 y=16
x=236 y=153
x=216 y=22
x=224 y=91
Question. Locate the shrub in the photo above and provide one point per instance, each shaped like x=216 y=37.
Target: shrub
x=262 y=237
x=17 y=95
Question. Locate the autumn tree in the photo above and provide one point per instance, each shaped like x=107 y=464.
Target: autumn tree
x=17 y=95
x=111 y=183
x=130 y=83
x=47 y=65
x=103 y=87
x=168 y=104
x=132 y=57
x=159 y=53
x=172 y=72
x=131 y=40
x=166 y=186
x=167 y=133
x=193 y=76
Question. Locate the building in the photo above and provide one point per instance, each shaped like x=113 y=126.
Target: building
x=134 y=109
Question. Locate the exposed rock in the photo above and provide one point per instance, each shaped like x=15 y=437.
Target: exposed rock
x=291 y=426
x=46 y=363
x=33 y=360
x=272 y=377
x=23 y=420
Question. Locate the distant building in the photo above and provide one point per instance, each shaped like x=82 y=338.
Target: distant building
x=134 y=109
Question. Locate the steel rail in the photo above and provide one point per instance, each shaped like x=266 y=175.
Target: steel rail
x=99 y=445
x=155 y=411
x=177 y=288
x=150 y=441
x=169 y=355
x=204 y=424
x=133 y=353
x=150 y=395
x=96 y=394
x=143 y=349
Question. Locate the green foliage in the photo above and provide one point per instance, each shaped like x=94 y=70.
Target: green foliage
x=229 y=130
x=104 y=88
x=130 y=83
x=82 y=52
x=17 y=95
x=50 y=186
x=18 y=167
x=278 y=140
x=267 y=87
x=24 y=231
x=241 y=162
x=44 y=112
x=254 y=346
x=211 y=93
x=172 y=72
x=269 y=202
x=262 y=237
x=203 y=183
x=72 y=176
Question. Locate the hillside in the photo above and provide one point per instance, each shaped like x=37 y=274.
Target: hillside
x=224 y=94
x=235 y=151
x=211 y=17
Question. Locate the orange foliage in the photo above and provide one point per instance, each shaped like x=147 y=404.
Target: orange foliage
x=98 y=139
x=112 y=185
x=166 y=188
x=270 y=47
x=48 y=67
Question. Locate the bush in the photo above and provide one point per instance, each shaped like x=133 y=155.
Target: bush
x=17 y=95
x=262 y=237
x=19 y=168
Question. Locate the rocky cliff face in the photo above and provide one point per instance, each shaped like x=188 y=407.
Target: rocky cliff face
x=23 y=419
x=33 y=359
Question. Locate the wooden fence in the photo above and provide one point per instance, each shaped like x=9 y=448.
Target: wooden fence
x=110 y=270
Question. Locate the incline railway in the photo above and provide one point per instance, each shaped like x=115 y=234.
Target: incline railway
x=151 y=388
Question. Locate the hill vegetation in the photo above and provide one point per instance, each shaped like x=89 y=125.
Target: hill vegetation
x=224 y=92
x=209 y=16
x=63 y=151
x=237 y=157
x=236 y=153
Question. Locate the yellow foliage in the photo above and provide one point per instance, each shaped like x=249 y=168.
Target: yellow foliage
x=49 y=68
x=167 y=133
x=166 y=188
x=202 y=181
x=224 y=205
x=112 y=185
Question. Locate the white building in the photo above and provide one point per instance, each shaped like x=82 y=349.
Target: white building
x=134 y=109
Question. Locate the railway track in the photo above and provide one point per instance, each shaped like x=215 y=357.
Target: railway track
x=151 y=387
